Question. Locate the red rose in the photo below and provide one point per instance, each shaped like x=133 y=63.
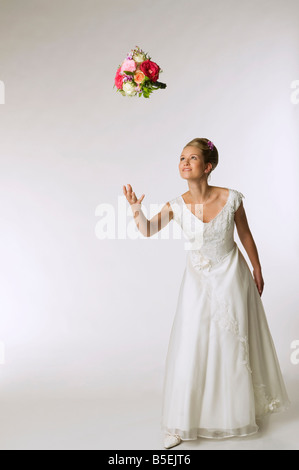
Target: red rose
x=150 y=69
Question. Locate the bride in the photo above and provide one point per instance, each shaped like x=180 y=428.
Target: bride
x=222 y=371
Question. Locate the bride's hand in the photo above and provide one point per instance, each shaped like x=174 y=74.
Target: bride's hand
x=131 y=196
x=259 y=281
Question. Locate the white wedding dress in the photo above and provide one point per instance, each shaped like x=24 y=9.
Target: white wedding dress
x=222 y=371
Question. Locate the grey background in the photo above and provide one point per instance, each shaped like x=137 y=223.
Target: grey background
x=85 y=321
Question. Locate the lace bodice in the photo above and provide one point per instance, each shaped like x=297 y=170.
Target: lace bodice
x=208 y=242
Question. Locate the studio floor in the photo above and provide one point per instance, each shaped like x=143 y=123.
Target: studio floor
x=110 y=420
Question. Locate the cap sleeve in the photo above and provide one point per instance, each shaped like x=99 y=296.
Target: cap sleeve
x=238 y=199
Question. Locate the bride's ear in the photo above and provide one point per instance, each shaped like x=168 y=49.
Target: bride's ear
x=209 y=167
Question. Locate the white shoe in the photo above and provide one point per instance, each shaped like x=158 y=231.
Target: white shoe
x=171 y=440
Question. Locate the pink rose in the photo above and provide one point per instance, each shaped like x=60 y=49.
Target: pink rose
x=128 y=65
x=119 y=79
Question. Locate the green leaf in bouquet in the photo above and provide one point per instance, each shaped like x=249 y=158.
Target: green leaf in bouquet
x=128 y=73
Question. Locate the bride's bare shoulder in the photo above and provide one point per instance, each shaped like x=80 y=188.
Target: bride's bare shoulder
x=220 y=189
x=221 y=192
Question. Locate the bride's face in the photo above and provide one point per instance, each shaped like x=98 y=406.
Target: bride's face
x=192 y=164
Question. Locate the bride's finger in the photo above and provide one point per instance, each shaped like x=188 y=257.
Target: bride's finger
x=139 y=201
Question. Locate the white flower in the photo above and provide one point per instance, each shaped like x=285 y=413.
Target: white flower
x=273 y=405
x=129 y=88
x=199 y=261
x=138 y=57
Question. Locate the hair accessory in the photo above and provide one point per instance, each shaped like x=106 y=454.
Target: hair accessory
x=210 y=144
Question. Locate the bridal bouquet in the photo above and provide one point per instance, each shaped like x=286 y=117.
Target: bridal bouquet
x=138 y=75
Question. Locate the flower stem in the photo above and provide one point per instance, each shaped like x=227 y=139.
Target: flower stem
x=160 y=85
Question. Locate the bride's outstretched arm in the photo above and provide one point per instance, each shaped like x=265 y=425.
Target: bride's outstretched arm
x=145 y=226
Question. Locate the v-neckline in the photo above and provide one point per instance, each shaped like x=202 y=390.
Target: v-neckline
x=207 y=223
